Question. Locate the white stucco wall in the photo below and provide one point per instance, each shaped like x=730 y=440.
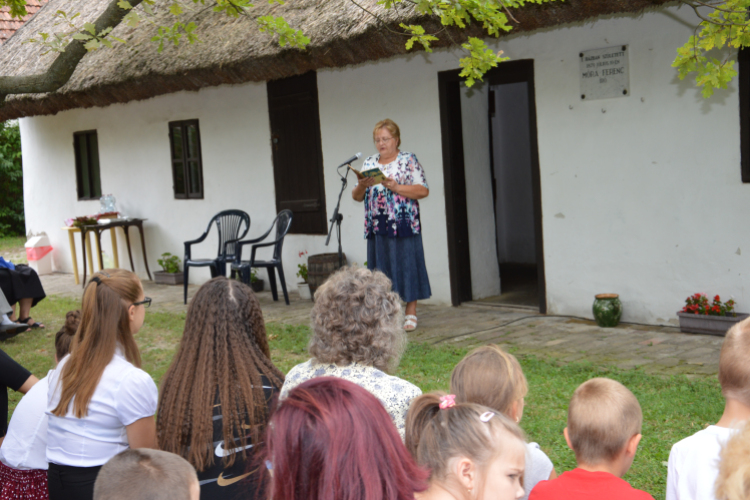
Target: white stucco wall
x=237 y=163
x=641 y=195
x=135 y=167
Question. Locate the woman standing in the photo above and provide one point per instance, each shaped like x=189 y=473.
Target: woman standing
x=100 y=402
x=392 y=225
x=216 y=394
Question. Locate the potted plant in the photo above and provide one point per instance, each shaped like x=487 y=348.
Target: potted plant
x=255 y=283
x=170 y=273
x=712 y=318
x=304 y=286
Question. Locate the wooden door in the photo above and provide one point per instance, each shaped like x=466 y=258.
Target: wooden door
x=459 y=260
x=297 y=152
x=522 y=71
x=459 y=263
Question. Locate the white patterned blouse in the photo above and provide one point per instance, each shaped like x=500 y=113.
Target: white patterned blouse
x=394 y=393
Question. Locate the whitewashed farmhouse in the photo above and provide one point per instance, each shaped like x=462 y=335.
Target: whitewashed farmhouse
x=536 y=188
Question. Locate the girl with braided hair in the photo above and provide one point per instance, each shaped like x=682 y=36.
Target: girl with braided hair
x=223 y=357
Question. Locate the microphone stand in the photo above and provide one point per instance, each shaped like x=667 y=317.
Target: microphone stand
x=337 y=217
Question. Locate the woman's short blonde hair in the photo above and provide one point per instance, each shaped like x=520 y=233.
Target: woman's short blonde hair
x=357 y=318
x=733 y=482
x=490 y=377
x=391 y=126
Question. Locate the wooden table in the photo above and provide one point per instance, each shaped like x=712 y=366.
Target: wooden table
x=97 y=229
x=74 y=256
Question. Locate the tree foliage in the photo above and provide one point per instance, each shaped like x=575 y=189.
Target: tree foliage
x=724 y=25
x=11 y=180
x=494 y=15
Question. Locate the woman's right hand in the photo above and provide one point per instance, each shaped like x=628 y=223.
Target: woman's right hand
x=358 y=193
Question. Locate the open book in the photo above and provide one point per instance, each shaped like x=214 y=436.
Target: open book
x=375 y=173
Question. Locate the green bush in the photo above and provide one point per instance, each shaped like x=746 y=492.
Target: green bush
x=11 y=181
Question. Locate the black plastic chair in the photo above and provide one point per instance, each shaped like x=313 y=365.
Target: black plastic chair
x=282 y=222
x=229 y=225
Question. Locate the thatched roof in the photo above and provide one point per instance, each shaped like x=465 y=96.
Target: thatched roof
x=234 y=51
x=9 y=25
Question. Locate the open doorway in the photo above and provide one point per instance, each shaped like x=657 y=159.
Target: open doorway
x=516 y=186
x=513 y=193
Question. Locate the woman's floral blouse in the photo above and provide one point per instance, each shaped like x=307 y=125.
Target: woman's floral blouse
x=387 y=213
x=394 y=393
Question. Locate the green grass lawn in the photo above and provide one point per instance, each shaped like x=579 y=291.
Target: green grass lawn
x=11 y=248
x=673 y=407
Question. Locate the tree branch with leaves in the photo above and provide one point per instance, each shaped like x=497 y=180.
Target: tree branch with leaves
x=494 y=15
x=70 y=53
x=74 y=42
x=724 y=25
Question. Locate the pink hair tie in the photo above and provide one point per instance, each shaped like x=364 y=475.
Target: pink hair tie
x=447 y=401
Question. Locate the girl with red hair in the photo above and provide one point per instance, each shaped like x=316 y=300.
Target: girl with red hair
x=331 y=439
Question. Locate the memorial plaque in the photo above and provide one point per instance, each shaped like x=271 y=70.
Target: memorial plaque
x=605 y=73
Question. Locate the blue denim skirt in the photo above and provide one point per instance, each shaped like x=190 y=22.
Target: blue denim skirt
x=402 y=260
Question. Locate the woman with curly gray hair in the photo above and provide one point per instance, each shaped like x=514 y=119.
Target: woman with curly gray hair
x=358 y=336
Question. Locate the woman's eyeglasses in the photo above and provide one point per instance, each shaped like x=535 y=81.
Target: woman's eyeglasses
x=146 y=302
x=386 y=139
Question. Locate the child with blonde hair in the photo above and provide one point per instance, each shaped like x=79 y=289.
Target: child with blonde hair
x=693 y=462
x=734 y=468
x=471 y=450
x=604 y=429
x=492 y=377
x=147 y=474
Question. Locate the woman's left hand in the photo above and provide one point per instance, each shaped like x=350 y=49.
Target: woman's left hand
x=391 y=184
x=414 y=192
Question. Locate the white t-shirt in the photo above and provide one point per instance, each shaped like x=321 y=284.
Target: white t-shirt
x=25 y=444
x=694 y=464
x=124 y=394
x=538 y=468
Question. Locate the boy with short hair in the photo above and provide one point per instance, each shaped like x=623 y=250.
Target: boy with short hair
x=693 y=462
x=604 y=429
x=144 y=473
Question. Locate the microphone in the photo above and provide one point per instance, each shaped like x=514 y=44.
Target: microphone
x=353 y=158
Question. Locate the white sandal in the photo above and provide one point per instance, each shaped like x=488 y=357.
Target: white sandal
x=411 y=323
